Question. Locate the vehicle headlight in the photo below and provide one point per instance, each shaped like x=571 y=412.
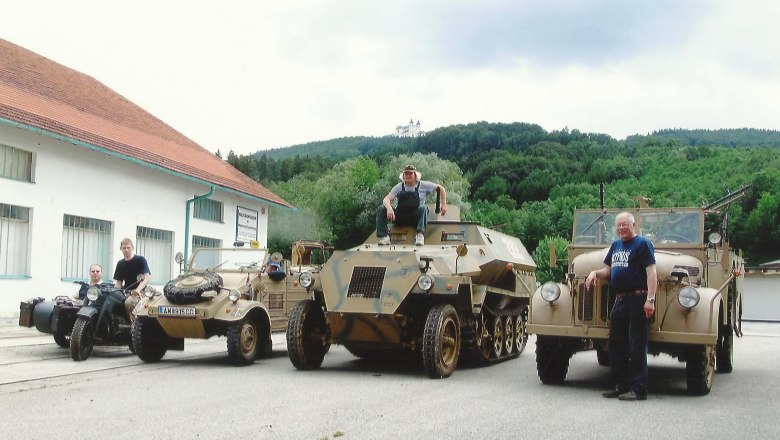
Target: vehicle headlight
x=550 y=291
x=149 y=293
x=425 y=282
x=306 y=279
x=93 y=293
x=688 y=297
x=233 y=295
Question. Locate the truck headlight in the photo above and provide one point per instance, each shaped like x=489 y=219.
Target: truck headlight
x=93 y=293
x=306 y=279
x=550 y=291
x=233 y=295
x=425 y=282
x=688 y=297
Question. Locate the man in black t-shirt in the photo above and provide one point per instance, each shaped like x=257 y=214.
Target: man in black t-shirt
x=131 y=274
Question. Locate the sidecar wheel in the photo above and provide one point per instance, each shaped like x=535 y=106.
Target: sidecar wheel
x=62 y=340
x=81 y=341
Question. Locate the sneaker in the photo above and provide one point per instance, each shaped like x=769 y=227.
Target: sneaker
x=419 y=239
x=383 y=241
x=632 y=396
x=614 y=394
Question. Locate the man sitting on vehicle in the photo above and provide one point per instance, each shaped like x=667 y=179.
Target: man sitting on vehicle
x=95 y=278
x=132 y=272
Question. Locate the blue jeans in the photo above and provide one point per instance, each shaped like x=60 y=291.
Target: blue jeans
x=628 y=328
x=418 y=219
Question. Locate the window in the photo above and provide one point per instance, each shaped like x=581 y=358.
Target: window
x=208 y=209
x=14 y=240
x=85 y=241
x=205 y=242
x=15 y=163
x=156 y=246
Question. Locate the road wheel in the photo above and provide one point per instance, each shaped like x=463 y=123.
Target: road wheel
x=62 y=339
x=521 y=333
x=441 y=341
x=306 y=334
x=509 y=331
x=483 y=339
x=242 y=341
x=700 y=369
x=498 y=337
x=552 y=360
x=149 y=339
x=81 y=341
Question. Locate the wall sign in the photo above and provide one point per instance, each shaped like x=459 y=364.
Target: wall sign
x=246 y=224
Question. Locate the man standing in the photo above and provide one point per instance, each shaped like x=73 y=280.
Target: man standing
x=132 y=272
x=411 y=209
x=630 y=268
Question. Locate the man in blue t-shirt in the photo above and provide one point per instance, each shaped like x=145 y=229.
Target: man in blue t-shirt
x=630 y=268
x=132 y=272
x=410 y=209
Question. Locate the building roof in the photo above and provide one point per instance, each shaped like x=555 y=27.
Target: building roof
x=39 y=94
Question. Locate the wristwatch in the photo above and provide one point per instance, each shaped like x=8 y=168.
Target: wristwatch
x=651 y=300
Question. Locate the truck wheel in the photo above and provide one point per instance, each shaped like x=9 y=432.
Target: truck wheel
x=602 y=356
x=700 y=369
x=725 y=354
x=306 y=331
x=62 y=340
x=242 y=341
x=81 y=341
x=498 y=337
x=441 y=341
x=552 y=360
x=521 y=333
x=149 y=339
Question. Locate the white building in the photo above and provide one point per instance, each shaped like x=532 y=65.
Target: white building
x=411 y=130
x=81 y=167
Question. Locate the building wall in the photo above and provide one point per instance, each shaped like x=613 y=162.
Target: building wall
x=71 y=179
x=761 y=300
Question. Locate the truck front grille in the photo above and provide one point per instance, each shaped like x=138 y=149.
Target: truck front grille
x=366 y=282
x=585 y=306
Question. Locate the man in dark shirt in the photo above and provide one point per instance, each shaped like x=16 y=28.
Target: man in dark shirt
x=132 y=273
x=630 y=268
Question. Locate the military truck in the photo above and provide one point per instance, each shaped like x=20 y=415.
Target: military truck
x=698 y=300
x=466 y=291
x=242 y=293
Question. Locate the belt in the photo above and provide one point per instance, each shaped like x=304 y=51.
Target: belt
x=635 y=292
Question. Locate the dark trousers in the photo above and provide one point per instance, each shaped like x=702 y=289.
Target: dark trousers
x=418 y=218
x=628 y=328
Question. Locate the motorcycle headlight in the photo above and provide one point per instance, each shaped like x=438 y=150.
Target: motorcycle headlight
x=425 y=282
x=93 y=293
x=688 y=297
x=550 y=291
x=306 y=279
x=233 y=295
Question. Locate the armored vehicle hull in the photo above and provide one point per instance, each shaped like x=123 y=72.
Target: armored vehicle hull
x=697 y=299
x=465 y=292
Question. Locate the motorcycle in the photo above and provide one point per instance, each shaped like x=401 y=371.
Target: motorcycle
x=56 y=316
x=101 y=320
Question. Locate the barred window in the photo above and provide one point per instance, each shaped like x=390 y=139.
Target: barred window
x=208 y=209
x=14 y=240
x=85 y=241
x=15 y=163
x=156 y=245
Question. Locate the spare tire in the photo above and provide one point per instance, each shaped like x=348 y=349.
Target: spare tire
x=187 y=288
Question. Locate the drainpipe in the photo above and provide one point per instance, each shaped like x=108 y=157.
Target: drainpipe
x=187 y=225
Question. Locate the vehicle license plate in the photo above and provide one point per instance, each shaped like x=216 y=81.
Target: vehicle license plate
x=177 y=311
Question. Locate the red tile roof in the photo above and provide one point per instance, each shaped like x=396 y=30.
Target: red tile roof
x=40 y=93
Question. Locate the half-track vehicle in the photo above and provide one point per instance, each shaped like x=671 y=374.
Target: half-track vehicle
x=241 y=293
x=465 y=292
x=698 y=299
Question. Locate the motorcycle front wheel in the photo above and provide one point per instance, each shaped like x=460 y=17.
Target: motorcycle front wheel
x=81 y=341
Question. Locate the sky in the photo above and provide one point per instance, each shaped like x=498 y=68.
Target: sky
x=252 y=75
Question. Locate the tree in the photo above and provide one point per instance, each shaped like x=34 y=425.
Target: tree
x=541 y=256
